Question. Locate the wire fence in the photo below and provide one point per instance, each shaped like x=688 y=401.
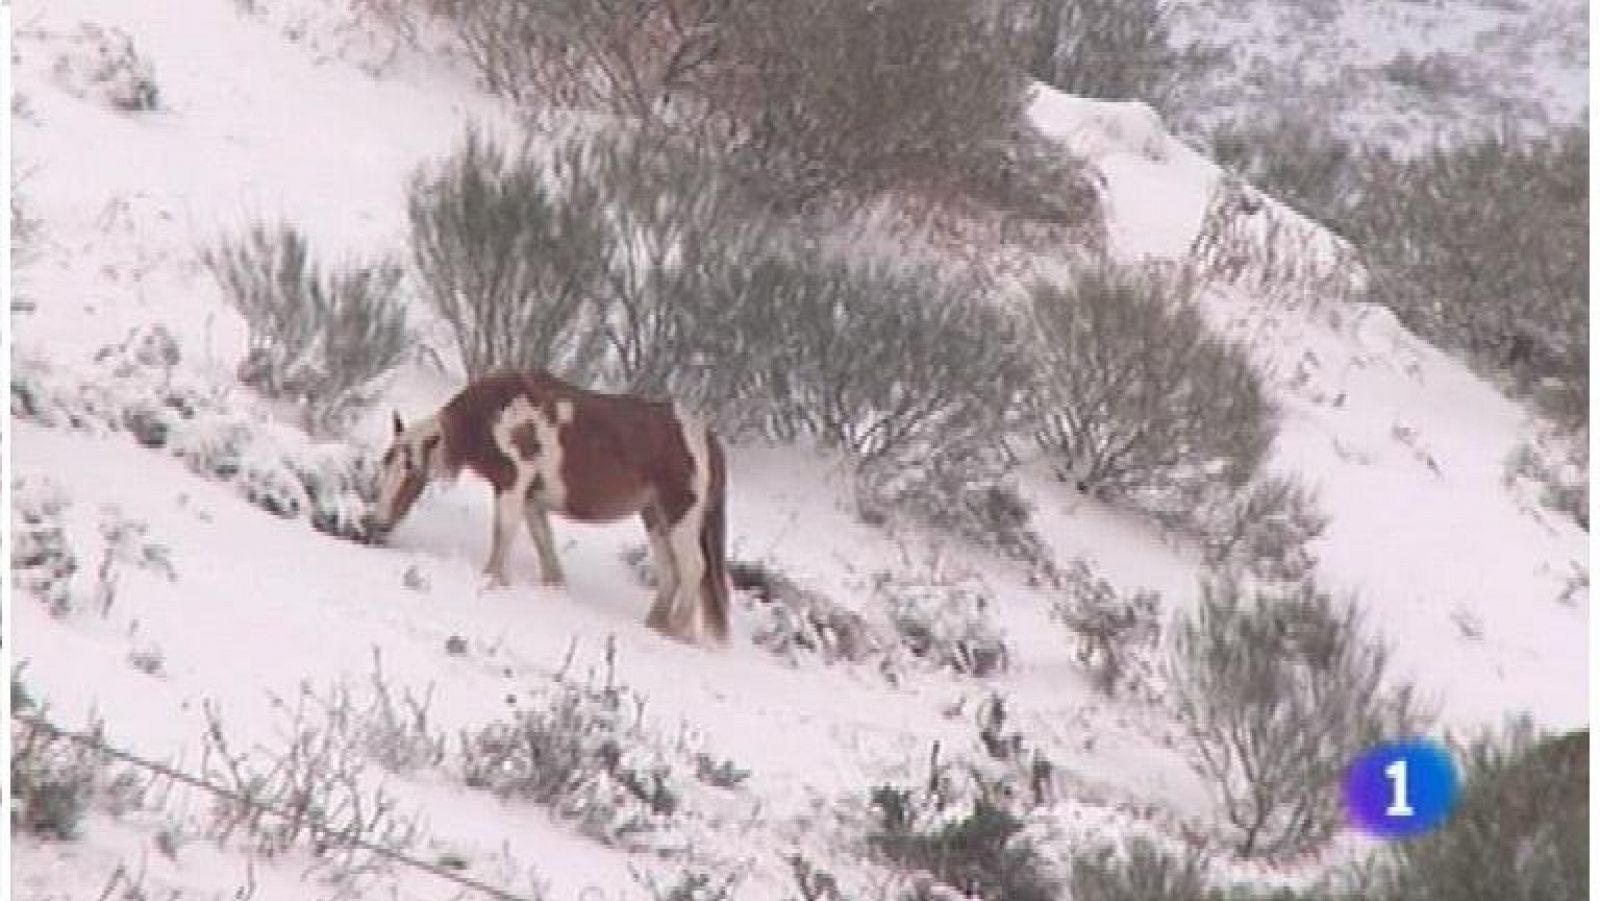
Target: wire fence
x=99 y=745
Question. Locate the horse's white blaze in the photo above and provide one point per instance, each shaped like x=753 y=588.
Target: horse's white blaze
x=684 y=536
x=393 y=478
x=389 y=491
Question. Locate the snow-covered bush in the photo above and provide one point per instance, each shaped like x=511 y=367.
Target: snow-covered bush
x=26 y=230
x=126 y=541
x=1558 y=463
x=582 y=749
x=1110 y=49
x=137 y=391
x=1264 y=530
x=42 y=559
x=100 y=63
x=509 y=255
x=943 y=618
x=1294 y=158
x=963 y=830
x=789 y=620
x=689 y=883
x=1135 y=399
x=1138 y=870
x=1506 y=281
x=53 y=779
x=978 y=854
x=1278 y=688
x=317 y=339
x=973 y=503
x=1521 y=829
x=1116 y=634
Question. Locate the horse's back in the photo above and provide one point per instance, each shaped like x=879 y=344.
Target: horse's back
x=617 y=453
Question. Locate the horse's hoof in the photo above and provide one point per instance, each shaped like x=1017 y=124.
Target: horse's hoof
x=493 y=582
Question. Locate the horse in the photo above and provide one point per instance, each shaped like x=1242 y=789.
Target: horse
x=545 y=446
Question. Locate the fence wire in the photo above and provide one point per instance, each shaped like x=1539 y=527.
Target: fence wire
x=99 y=745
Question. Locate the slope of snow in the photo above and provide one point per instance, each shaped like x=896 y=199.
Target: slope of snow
x=1400 y=75
x=1405 y=446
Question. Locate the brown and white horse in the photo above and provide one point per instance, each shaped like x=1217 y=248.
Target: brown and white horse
x=547 y=446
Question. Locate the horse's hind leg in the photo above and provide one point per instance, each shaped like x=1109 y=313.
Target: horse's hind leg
x=683 y=539
x=544 y=542
x=506 y=505
x=666 y=568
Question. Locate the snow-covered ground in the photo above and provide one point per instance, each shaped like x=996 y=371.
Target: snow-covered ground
x=1399 y=74
x=286 y=112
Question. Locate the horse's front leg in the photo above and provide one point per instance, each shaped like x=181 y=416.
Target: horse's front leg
x=506 y=511
x=544 y=542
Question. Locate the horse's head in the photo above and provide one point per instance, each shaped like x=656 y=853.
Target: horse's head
x=411 y=460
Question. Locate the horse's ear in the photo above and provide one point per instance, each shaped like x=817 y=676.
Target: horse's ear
x=398 y=425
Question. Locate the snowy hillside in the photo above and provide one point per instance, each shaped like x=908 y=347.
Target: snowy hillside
x=185 y=605
x=1396 y=74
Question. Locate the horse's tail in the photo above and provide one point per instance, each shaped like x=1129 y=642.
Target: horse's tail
x=714 y=544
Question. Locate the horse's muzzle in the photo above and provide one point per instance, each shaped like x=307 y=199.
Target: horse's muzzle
x=374 y=530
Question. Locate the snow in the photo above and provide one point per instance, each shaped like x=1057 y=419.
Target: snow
x=277 y=114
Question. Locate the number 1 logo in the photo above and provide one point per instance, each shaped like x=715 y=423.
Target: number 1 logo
x=1400 y=789
x=1398 y=807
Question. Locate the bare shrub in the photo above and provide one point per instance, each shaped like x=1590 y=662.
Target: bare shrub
x=1278 y=689
x=393 y=729
x=887 y=365
x=509 y=255
x=1135 y=398
x=621 y=56
x=1112 y=49
x=1265 y=530
x=1116 y=634
x=317 y=339
x=312 y=791
x=1249 y=244
x=1507 y=281
x=830 y=96
x=676 y=226
x=1432 y=75
x=1521 y=829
